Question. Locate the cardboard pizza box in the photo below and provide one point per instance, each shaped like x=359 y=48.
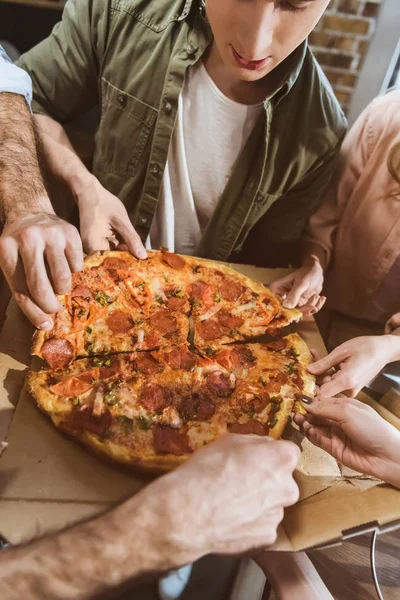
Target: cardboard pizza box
x=48 y=482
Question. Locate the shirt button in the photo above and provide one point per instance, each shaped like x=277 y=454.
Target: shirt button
x=154 y=168
x=131 y=168
x=167 y=106
x=142 y=220
x=121 y=99
x=387 y=254
x=190 y=50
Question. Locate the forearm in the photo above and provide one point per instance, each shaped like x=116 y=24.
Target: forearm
x=293 y=576
x=61 y=158
x=21 y=184
x=311 y=252
x=94 y=559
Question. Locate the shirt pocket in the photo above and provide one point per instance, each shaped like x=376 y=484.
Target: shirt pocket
x=125 y=130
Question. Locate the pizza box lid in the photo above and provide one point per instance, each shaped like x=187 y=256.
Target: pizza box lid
x=48 y=482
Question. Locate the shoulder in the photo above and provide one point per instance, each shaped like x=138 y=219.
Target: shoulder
x=320 y=101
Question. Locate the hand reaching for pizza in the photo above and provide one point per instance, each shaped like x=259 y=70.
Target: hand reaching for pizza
x=302 y=288
x=358 y=361
x=393 y=324
x=354 y=434
x=229 y=497
x=104 y=221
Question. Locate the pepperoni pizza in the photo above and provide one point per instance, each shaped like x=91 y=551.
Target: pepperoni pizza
x=151 y=410
x=121 y=304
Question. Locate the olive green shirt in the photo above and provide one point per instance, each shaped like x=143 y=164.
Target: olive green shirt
x=130 y=57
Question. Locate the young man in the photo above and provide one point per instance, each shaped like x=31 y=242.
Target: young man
x=218 y=131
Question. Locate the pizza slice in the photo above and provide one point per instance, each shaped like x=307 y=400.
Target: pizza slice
x=151 y=410
x=117 y=304
x=228 y=306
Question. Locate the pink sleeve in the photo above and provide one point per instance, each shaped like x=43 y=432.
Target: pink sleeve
x=354 y=154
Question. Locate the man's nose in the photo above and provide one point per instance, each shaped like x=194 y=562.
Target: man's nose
x=258 y=31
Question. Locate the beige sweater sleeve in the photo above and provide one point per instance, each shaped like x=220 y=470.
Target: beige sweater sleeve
x=322 y=225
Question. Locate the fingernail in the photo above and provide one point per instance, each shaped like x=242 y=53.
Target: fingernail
x=304 y=398
x=288 y=304
x=46 y=326
x=311 y=368
x=142 y=254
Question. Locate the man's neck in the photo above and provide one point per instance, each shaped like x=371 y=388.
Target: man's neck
x=244 y=92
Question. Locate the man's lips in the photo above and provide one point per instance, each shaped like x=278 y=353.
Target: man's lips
x=251 y=65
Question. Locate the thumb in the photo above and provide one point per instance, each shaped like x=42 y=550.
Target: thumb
x=282 y=286
x=324 y=364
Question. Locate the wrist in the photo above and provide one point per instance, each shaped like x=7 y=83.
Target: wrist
x=41 y=205
x=391 y=345
x=311 y=261
x=78 y=178
x=389 y=470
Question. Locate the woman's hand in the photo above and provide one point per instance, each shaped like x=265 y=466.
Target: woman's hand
x=357 y=362
x=354 y=434
x=302 y=288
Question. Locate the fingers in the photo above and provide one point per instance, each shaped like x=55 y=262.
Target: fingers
x=299 y=294
x=323 y=365
x=319 y=436
x=126 y=230
x=93 y=242
x=36 y=277
x=335 y=409
x=393 y=323
x=59 y=269
x=282 y=286
x=74 y=252
x=33 y=312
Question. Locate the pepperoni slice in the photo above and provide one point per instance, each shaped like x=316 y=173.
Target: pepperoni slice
x=224 y=358
x=197 y=408
x=114 y=368
x=230 y=290
x=274 y=380
x=152 y=340
x=251 y=427
x=74 y=386
x=148 y=365
x=57 y=352
x=119 y=321
x=112 y=262
x=163 y=322
x=210 y=330
x=173 y=260
x=175 y=303
x=154 y=397
x=277 y=346
x=221 y=384
x=83 y=418
x=242 y=356
x=181 y=358
x=229 y=321
x=200 y=290
x=256 y=404
x=81 y=291
x=170 y=441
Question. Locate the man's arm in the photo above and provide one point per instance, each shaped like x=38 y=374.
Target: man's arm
x=65 y=70
x=175 y=520
x=31 y=233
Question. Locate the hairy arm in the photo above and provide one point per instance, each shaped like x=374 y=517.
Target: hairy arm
x=21 y=184
x=175 y=520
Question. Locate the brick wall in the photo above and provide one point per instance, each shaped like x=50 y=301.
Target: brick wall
x=341 y=40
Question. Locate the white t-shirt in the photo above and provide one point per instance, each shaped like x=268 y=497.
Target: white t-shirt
x=209 y=135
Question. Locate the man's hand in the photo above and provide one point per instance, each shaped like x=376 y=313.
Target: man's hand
x=38 y=252
x=228 y=498
x=103 y=219
x=302 y=288
x=354 y=434
x=358 y=361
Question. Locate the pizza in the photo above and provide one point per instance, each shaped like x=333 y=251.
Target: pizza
x=121 y=304
x=151 y=410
